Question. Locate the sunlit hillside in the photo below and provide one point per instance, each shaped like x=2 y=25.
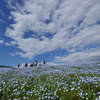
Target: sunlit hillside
x=50 y=83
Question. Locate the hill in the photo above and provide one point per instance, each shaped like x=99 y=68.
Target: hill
x=6 y=66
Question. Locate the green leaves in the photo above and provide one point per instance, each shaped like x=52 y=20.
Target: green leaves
x=41 y=84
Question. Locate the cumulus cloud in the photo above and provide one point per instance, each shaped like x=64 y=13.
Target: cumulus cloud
x=80 y=57
x=1 y=41
x=12 y=43
x=53 y=24
x=2 y=13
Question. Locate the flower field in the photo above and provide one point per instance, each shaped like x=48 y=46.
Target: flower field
x=50 y=83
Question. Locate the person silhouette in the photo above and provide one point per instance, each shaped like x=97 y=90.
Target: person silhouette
x=26 y=64
x=44 y=62
x=31 y=65
x=36 y=62
x=18 y=65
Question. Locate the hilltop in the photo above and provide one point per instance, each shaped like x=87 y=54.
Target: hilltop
x=6 y=66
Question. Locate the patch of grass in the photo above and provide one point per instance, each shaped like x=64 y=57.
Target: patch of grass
x=6 y=66
x=38 y=84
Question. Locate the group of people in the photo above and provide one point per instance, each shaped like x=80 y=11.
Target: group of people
x=35 y=63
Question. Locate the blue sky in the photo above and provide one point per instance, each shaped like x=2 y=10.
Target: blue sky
x=58 y=31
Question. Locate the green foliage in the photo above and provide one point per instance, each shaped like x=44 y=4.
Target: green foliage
x=38 y=84
x=6 y=66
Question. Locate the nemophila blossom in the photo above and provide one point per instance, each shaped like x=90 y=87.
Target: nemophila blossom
x=49 y=84
x=46 y=96
x=72 y=88
x=87 y=98
x=24 y=97
x=15 y=99
x=81 y=94
x=66 y=90
x=82 y=97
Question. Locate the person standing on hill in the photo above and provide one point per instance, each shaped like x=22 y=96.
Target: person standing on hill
x=26 y=64
x=44 y=62
x=31 y=65
x=35 y=63
x=18 y=65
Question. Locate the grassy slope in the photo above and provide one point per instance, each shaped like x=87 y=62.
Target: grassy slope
x=6 y=66
x=50 y=83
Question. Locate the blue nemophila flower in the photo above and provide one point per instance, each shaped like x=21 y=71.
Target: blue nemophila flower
x=48 y=83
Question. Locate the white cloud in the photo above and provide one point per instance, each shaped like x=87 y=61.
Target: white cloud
x=80 y=57
x=1 y=41
x=85 y=37
x=2 y=13
x=12 y=43
x=54 y=17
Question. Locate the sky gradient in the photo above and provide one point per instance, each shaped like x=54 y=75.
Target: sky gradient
x=58 y=31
